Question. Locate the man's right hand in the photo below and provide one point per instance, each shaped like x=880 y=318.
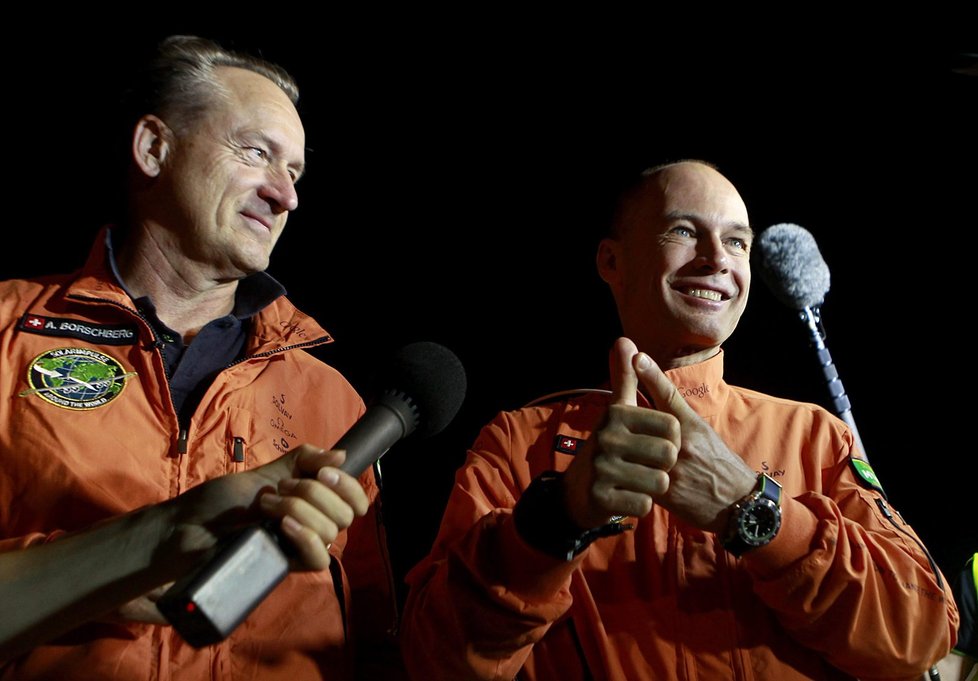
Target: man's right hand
x=626 y=462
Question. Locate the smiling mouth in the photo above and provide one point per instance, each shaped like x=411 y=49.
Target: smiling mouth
x=259 y=220
x=706 y=294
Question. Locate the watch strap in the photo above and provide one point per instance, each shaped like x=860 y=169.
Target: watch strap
x=767 y=488
x=541 y=520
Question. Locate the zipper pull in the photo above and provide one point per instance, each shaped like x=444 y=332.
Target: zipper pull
x=238 y=449
x=182 y=441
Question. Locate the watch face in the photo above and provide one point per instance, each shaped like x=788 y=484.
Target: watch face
x=759 y=522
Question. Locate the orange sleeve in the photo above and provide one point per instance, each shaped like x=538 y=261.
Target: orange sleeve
x=483 y=597
x=848 y=577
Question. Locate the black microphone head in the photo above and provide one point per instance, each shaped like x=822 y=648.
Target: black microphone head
x=792 y=266
x=433 y=380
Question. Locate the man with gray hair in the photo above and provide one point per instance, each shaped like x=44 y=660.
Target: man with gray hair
x=157 y=400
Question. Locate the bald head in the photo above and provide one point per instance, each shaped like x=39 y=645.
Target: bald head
x=647 y=193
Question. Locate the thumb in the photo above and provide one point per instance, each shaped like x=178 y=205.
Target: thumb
x=301 y=461
x=624 y=382
x=309 y=459
x=659 y=388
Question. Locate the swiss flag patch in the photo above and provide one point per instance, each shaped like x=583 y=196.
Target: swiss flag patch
x=567 y=444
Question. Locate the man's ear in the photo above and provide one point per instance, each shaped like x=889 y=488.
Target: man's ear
x=609 y=262
x=151 y=140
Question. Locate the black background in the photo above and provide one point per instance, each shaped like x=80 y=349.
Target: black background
x=457 y=171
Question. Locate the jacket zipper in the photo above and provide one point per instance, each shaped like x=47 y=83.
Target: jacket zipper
x=182 y=433
x=933 y=673
x=182 y=430
x=885 y=510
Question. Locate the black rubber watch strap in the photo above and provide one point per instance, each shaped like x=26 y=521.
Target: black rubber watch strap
x=542 y=521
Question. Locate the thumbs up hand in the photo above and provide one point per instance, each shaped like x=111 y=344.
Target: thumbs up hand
x=707 y=478
x=625 y=464
x=667 y=455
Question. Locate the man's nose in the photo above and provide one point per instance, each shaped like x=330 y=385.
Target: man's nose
x=712 y=254
x=279 y=191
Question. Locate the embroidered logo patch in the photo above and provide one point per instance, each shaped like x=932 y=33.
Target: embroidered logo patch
x=103 y=334
x=866 y=474
x=568 y=444
x=76 y=378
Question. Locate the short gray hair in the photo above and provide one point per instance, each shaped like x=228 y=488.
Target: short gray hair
x=179 y=83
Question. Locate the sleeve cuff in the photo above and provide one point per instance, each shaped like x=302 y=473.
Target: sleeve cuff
x=541 y=520
x=798 y=526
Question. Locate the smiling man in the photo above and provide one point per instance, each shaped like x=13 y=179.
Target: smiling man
x=678 y=264
x=161 y=398
x=674 y=527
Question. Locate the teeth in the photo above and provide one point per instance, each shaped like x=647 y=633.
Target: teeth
x=703 y=293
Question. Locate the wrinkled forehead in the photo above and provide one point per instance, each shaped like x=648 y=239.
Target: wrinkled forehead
x=250 y=104
x=250 y=91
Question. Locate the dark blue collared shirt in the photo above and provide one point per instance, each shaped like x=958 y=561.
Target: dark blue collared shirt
x=192 y=367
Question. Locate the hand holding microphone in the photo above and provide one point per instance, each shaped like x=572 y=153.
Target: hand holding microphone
x=421 y=389
x=313 y=504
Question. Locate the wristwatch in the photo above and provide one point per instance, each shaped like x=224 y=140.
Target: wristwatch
x=755 y=519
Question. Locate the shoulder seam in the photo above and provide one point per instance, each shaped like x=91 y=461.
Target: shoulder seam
x=564 y=395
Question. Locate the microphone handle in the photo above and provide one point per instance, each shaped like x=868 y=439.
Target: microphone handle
x=840 y=401
x=208 y=604
x=385 y=423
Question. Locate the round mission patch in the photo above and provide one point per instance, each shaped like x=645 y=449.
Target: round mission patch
x=76 y=378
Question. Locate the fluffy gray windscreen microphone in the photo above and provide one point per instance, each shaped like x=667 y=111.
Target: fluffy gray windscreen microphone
x=792 y=266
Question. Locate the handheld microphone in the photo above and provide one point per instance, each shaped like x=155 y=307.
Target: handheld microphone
x=793 y=269
x=420 y=390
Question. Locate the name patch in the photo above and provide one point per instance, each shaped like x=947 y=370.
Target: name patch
x=103 y=334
